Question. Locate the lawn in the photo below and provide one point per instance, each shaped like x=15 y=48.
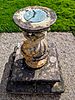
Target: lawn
x=65 y=10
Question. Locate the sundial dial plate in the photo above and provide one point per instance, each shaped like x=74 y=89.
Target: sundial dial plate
x=34 y=18
x=35 y=15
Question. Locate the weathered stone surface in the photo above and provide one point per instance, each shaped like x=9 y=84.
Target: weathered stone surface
x=35 y=52
x=35 y=20
x=25 y=80
x=65 y=43
x=48 y=72
x=27 y=18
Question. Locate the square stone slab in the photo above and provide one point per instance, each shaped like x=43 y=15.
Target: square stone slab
x=25 y=80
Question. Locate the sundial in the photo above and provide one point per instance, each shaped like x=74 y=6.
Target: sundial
x=35 y=67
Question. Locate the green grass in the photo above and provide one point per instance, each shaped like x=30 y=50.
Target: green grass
x=65 y=10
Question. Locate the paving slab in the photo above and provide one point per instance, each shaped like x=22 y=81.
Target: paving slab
x=65 y=43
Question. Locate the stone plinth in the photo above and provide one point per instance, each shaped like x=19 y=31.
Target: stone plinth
x=45 y=80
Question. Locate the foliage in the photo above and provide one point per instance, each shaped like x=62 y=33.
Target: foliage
x=65 y=10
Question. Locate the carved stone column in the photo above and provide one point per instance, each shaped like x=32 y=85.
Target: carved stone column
x=35 y=49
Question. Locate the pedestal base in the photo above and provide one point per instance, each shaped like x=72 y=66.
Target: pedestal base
x=46 y=80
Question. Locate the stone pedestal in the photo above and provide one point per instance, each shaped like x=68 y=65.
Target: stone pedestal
x=35 y=22
x=45 y=80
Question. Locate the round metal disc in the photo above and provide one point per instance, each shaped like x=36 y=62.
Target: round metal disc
x=35 y=15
